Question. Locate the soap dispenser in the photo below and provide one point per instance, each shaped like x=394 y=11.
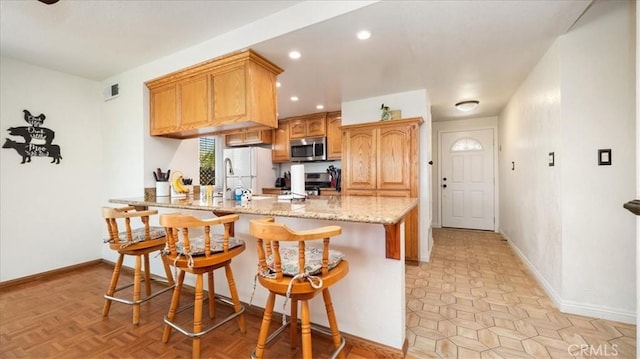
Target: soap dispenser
x=237 y=194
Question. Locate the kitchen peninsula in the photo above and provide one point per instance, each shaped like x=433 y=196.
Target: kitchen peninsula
x=370 y=301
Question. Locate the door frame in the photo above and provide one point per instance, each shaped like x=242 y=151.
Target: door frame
x=496 y=183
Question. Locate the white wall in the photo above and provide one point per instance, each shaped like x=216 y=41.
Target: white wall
x=566 y=221
x=50 y=213
x=458 y=125
x=598 y=112
x=413 y=104
x=530 y=205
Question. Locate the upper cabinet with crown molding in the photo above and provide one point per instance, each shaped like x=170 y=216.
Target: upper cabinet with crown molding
x=223 y=95
x=314 y=125
x=248 y=138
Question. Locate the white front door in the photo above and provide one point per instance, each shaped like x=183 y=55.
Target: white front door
x=467 y=179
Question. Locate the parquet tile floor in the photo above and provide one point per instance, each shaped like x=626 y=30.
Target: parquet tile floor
x=476 y=299
x=61 y=317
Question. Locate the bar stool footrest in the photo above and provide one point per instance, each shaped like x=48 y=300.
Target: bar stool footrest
x=334 y=354
x=221 y=299
x=141 y=300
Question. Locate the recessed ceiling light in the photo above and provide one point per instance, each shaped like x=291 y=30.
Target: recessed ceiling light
x=294 y=55
x=294 y=98
x=363 y=35
x=319 y=107
x=278 y=84
x=466 y=106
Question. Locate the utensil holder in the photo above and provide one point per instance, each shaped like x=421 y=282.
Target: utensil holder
x=163 y=189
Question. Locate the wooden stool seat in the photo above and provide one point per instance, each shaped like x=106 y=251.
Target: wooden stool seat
x=299 y=274
x=201 y=255
x=134 y=242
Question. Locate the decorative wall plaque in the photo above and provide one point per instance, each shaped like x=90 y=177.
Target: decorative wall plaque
x=37 y=140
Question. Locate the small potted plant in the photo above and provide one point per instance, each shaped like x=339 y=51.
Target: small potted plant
x=386 y=114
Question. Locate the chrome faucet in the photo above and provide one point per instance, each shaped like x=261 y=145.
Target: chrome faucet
x=228 y=170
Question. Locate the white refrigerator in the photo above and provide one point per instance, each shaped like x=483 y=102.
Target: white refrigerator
x=251 y=166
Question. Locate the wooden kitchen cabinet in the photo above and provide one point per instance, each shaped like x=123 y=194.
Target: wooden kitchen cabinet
x=381 y=159
x=334 y=135
x=280 y=149
x=193 y=97
x=359 y=158
x=313 y=125
x=164 y=109
x=220 y=96
x=247 y=138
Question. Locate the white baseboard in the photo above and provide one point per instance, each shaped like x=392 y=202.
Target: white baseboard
x=553 y=295
x=601 y=312
x=571 y=307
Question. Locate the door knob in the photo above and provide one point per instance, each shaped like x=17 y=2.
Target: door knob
x=444 y=186
x=430 y=162
x=444 y=179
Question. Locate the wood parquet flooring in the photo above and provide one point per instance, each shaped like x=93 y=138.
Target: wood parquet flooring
x=61 y=317
x=476 y=299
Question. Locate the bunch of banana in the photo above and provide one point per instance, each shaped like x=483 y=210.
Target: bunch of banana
x=176 y=182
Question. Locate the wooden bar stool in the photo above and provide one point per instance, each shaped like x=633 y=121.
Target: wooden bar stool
x=200 y=254
x=299 y=273
x=137 y=242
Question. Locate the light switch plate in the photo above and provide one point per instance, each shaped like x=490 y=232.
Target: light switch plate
x=552 y=159
x=604 y=157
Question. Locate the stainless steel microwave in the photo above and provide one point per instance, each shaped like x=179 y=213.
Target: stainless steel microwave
x=309 y=149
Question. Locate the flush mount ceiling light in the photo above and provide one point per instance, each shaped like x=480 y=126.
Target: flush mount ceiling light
x=466 y=106
x=294 y=98
x=278 y=84
x=363 y=35
x=319 y=107
x=294 y=55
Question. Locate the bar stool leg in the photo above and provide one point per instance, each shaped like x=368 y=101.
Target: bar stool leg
x=235 y=298
x=293 y=324
x=147 y=274
x=305 y=331
x=333 y=323
x=137 y=279
x=264 y=328
x=212 y=295
x=197 y=315
x=175 y=301
x=112 y=285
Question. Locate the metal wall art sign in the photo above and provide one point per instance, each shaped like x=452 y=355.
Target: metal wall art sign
x=37 y=140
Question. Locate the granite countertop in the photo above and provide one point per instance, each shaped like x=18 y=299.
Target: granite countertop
x=362 y=209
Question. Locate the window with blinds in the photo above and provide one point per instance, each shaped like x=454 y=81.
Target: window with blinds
x=207 y=158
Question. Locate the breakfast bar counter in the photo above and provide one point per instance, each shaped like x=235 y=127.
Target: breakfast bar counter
x=369 y=302
x=388 y=211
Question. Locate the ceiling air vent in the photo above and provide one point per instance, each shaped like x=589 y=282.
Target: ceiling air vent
x=111 y=92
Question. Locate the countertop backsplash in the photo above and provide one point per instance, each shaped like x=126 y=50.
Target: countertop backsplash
x=320 y=166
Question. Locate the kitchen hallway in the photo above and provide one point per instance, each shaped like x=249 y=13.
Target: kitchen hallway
x=476 y=299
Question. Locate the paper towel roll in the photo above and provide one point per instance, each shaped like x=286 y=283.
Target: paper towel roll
x=297 y=181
